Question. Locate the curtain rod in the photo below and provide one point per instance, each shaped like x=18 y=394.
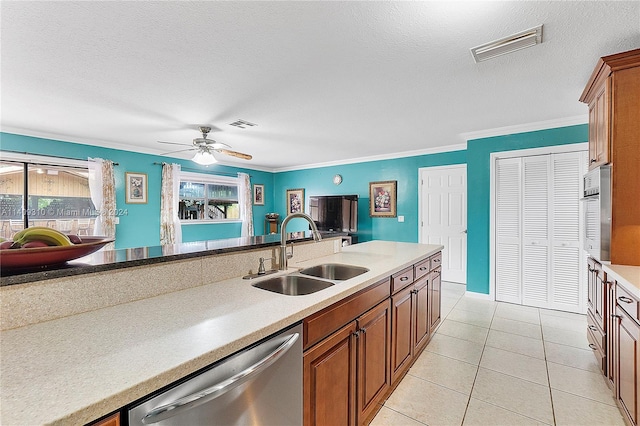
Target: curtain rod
x=46 y=155
x=199 y=170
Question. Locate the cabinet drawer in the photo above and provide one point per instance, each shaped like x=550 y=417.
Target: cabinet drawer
x=422 y=268
x=598 y=335
x=436 y=260
x=323 y=323
x=597 y=351
x=627 y=302
x=401 y=279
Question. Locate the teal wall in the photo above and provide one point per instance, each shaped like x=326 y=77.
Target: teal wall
x=140 y=225
x=355 y=180
x=478 y=190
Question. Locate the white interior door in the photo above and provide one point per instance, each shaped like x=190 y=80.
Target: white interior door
x=443 y=217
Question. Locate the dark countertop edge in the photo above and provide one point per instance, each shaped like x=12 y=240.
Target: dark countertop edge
x=101 y=261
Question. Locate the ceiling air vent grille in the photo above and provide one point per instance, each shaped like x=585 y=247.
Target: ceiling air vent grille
x=509 y=44
x=243 y=124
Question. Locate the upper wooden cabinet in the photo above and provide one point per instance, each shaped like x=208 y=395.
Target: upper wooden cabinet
x=613 y=96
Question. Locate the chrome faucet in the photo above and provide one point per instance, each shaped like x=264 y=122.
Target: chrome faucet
x=284 y=256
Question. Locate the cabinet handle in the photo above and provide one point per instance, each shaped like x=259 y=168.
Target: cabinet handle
x=422 y=268
x=436 y=260
x=593 y=160
x=616 y=316
x=592 y=346
x=593 y=328
x=404 y=278
x=625 y=299
x=356 y=334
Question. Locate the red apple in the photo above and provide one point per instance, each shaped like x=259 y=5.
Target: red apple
x=35 y=244
x=6 y=245
x=74 y=238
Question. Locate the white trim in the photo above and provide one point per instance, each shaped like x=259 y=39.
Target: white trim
x=527 y=127
x=494 y=156
x=481 y=296
x=32 y=158
x=207 y=178
x=405 y=154
x=185 y=222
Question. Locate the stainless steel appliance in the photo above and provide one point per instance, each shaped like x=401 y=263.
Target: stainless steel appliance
x=597 y=213
x=261 y=385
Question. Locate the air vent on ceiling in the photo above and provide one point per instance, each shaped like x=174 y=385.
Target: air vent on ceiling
x=243 y=124
x=509 y=44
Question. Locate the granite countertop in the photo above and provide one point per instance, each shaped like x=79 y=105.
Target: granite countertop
x=105 y=260
x=627 y=276
x=76 y=369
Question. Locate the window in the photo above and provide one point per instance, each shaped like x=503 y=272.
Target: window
x=57 y=195
x=208 y=198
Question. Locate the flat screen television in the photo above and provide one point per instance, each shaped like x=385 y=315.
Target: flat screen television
x=334 y=213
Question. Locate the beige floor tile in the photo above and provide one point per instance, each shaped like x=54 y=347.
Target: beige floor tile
x=444 y=371
x=572 y=357
x=520 y=396
x=476 y=305
x=517 y=327
x=479 y=319
x=560 y=314
x=573 y=410
x=448 y=300
x=514 y=343
x=388 y=417
x=464 y=331
x=462 y=350
x=516 y=365
x=565 y=337
x=454 y=288
x=428 y=402
x=518 y=313
x=579 y=325
x=480 y=413
x=579 y=382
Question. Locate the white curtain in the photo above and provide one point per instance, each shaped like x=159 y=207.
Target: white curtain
x=170 y=228
x=246 y=204
x=102 y=187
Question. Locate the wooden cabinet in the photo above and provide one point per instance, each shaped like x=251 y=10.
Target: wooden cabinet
x=613 y=96
x=598 y=313
x=435 y=298
x=112 y=420
x=627 y=355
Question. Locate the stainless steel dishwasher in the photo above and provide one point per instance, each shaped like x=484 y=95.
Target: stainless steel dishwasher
x=261 y=385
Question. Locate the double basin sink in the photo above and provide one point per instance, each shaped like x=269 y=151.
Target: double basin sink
x=310 y=280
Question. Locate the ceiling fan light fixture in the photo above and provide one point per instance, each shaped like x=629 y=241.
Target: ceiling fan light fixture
x=510 y=44
x=204 y=158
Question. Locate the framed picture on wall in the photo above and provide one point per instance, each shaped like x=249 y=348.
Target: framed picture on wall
x=135 y=188
x=383 y=198
x=295 y=201
x=258 y=195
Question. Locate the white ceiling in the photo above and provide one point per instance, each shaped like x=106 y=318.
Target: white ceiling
x=326 y=82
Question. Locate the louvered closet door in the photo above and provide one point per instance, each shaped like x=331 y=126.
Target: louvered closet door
x=566 y=269
x=535 y=230
x=507 y=221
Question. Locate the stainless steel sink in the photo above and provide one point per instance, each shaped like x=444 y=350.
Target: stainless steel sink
x=334 y=271
x=293 y=285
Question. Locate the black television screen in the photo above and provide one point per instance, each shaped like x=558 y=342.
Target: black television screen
x=337 y=213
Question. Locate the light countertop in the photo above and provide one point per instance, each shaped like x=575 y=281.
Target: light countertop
x=627 y=276
x=75 y=369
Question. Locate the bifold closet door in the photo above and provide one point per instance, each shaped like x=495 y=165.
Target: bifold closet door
x=538 y=258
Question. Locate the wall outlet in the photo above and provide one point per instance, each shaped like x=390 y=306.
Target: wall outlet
x=400 y=218
x=116 y=220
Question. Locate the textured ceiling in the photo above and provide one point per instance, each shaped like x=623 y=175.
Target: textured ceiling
x=325 y=81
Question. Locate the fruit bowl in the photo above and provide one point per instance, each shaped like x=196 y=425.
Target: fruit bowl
x=55 y=255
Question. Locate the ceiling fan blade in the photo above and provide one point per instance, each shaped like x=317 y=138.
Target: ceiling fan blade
x=174 y=143
x=234 y=154
x=180 y=150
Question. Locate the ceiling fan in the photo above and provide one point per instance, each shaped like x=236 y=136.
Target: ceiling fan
x=206 y=147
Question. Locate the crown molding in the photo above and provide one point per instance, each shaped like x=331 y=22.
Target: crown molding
x=527 y=127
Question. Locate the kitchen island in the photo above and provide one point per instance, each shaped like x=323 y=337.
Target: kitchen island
x=78 y=367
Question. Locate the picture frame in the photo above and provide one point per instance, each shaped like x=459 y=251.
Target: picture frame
x=295 y=201
x=258 y=195
x=383 y=198
x=136 y=185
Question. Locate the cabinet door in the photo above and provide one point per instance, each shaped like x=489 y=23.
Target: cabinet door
x=435 y=298
x=600 y=301
x=329 y=380
x=628 y=354
x=374 y=366
x=599 y=123
x=113 y=420
x=592 y=273
x=401 y=339
x=422 y=319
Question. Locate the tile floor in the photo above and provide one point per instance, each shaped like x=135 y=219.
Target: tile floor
x=493 y=363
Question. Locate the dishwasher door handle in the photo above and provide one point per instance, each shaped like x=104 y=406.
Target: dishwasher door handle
x=169 y=410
